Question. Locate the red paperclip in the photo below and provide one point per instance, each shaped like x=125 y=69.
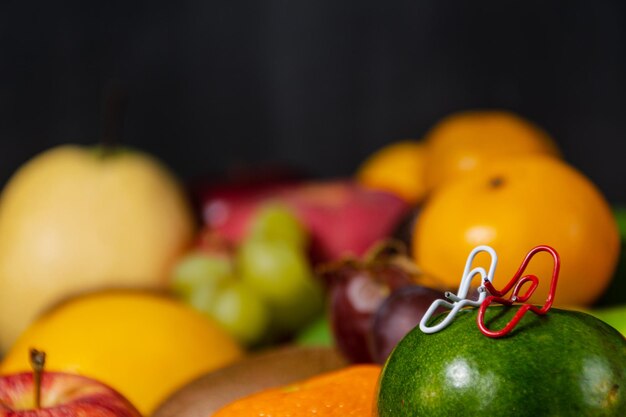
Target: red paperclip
x=516 y=283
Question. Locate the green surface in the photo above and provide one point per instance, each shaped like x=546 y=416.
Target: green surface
x=317 y=333
x=615 y=316
x=562 y=364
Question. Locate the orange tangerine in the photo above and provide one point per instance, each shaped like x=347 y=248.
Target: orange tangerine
x=346 y=392
x=397 y=168
x=514 y=206
x=465 y=141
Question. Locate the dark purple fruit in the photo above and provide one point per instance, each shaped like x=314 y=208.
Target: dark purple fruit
x=352 y=306
x=357 y=288
x=397 y=316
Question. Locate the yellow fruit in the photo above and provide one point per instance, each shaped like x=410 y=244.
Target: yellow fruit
x=397 y=168
x=74 y=220
x=465 y=141
x=513 y=206
x=145 y=346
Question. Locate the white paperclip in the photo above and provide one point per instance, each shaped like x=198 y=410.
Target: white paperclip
x=460 y=300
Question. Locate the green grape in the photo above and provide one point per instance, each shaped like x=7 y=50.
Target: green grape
x=275 y=221
x=281 y=274
x=303 y=307
x=198 y=276
x=241 y=312
x=274 y=269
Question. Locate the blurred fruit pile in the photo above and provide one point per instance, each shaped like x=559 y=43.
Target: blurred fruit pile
x=259 y=290
x=103 y=266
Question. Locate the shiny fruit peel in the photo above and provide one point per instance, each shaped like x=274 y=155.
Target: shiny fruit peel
x=488 y=294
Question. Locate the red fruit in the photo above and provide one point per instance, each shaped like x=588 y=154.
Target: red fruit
x=62 y=395
x=229 y=208
x=345 y=218
x=342 y=217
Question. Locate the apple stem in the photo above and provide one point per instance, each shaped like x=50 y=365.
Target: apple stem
x=37 y=362
x=113 y=112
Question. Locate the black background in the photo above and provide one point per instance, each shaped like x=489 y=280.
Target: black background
x=319 y=84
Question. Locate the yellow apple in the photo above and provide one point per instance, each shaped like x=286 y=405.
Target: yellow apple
x=77 y=219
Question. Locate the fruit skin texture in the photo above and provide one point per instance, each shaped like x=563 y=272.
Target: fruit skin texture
x=565 y=363
x=397 y=168
x=514 y=206
x=470 y=140
x=143 y=345
x=62 y=395
x=74 y=220
x=346 y=392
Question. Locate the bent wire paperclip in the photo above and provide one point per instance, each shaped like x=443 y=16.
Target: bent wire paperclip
x=516 y=283
x=460 y=300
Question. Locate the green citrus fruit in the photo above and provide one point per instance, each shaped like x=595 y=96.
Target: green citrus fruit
x=564 y=363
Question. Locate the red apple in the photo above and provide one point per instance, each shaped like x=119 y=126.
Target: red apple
x=345 y=218
x=60 y=395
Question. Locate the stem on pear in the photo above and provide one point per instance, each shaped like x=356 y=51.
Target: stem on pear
x=37 y=362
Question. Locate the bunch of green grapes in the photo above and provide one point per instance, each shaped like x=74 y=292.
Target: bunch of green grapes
x=267 y=288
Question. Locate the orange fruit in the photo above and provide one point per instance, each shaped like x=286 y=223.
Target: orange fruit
x=346 y=392
x=465 y=141
x=144 y=345
x=514 y=206
x=397 y=168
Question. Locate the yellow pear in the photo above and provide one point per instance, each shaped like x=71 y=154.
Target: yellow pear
x=77 y=219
